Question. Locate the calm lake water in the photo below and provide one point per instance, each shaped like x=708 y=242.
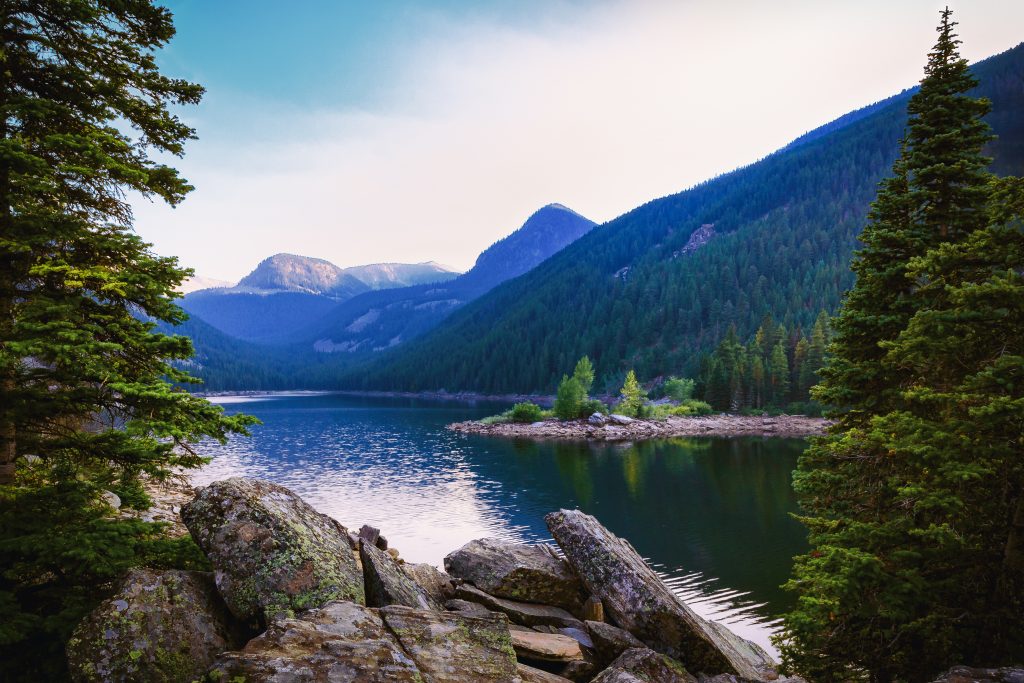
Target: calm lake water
x=710 y=514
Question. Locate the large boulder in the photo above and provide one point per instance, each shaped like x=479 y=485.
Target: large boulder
x=640 y=665
x=529 y=573
x=159 y=626
x=341 y=641
x=637 y=600
x=272 y=553
x=452 y=648
x=386 y=583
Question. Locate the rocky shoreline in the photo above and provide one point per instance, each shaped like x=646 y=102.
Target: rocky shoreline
x=621 y=428
x=294 y=595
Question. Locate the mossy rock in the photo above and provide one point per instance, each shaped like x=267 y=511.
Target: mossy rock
x=160 y=627
x=272 y=553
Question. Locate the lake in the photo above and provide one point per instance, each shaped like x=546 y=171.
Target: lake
x=712 y=515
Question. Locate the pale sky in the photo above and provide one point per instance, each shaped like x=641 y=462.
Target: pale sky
x=403 y=131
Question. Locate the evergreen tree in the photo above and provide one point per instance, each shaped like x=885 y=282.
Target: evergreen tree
x=584 y=374
x=569 y=398
x=910 y=498
x=633 y=396
x=83 y=377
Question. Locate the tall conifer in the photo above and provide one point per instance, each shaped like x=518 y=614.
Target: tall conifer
x=910 y=499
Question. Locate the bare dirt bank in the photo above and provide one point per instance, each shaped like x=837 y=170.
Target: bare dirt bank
x=636 y=430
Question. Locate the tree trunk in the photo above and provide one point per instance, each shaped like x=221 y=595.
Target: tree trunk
x=8 y=441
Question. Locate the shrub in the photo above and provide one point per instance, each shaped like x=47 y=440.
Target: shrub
x=569 y=398
x=590 y=406
x=527 y=412
x=679 y=389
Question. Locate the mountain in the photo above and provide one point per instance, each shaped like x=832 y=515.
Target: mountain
x=291 y=273
x=392 y=275
x=661 y=284
x=379 y=320
x=196 y=283
x=286 y=292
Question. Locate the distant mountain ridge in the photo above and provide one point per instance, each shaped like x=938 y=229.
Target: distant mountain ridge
x=379 y=320
x=286 y=292
x=293 y=273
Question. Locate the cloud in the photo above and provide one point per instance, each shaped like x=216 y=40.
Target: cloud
x=600 y=107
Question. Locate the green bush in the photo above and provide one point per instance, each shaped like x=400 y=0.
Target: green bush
x=679 y=389
x=590 y=406
x=569 y=399
x=527 y=412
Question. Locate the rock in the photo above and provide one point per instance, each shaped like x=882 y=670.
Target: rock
x=159 y=626
x=434 y=582
x=593 y=609
x=579 y=634
x=393 y=552
x=385 y=582
x=472 y=609
x=637 y=600
x=965 y=674
x=531 y=675
x=525 y=613
x=341 y=641
x=382 y=543
x=545 y=647
x=620 y=419
x=111 y=499
x=370 y=534
x=638 y=665
x=610 y=641
x=452 y=648
x=529 y=573
x=597 y=419
x=272 y=553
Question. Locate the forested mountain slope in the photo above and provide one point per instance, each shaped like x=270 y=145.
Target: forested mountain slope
x=378 y=320
x=658 y=286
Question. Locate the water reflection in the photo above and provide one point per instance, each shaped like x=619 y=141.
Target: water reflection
x=711 y=515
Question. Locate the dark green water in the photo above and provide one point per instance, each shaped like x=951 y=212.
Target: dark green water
x=710 y=514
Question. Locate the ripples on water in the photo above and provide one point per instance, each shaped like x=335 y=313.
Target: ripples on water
x=710 y=515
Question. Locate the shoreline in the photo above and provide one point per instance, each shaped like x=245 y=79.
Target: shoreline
x=460 y=396
x=725 y=424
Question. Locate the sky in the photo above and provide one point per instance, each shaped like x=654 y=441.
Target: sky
x=404 y=131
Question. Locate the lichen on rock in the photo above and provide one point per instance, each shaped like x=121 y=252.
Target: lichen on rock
x=162 y=627
x=273 y=554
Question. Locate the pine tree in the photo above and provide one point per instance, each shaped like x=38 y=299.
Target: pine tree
x=633 y=396
x=584 y=374
x=910 y=498
x=85 y=383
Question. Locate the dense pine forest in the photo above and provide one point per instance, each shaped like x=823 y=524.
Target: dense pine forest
x=632 y=295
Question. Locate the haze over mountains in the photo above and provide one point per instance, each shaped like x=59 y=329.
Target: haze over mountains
x=652 y=290
x=296 y=306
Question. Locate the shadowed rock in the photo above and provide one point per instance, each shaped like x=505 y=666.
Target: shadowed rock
x=434 y=582
x=530 y=573
x=637 y=600
x=452 y=648
x=532 y=675
x=341 y=641
x=525 y=613
x=159 y=626
x=640 y=665
x=386 y=583
x=272 y=553
x=610 y=641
